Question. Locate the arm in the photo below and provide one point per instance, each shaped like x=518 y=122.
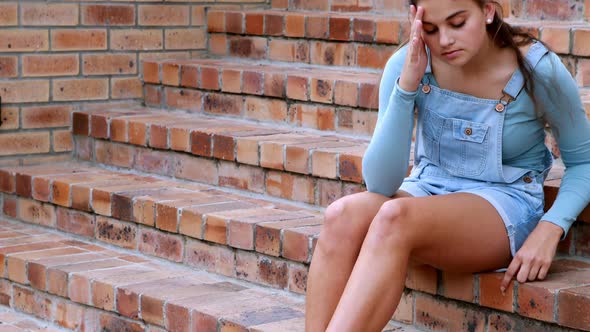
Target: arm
x=571 y=128
x=564 y=111
x=386 y=160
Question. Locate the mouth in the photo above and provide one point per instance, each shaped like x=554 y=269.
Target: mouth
x=450 y=52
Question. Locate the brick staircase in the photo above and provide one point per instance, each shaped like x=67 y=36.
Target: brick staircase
x=200 y=210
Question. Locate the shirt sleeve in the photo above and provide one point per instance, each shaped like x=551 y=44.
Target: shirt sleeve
x=564 y=111
x=385 y=163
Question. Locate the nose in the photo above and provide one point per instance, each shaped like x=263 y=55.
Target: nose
x=446 y=38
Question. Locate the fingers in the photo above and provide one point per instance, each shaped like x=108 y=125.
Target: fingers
x=534 y=272
x=512 y=269
x=543 y=271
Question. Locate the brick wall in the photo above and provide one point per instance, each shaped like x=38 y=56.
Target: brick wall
x=59 y=56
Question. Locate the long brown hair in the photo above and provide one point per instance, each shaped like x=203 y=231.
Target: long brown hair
x=504 y=35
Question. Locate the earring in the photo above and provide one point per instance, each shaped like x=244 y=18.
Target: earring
x=489 y=21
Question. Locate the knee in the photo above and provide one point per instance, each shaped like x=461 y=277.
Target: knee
x=338 y=229
x=393 y=222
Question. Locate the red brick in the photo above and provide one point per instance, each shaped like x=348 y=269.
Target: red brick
x=252 y=82
x=580 y=42
x=317 y=27
x=45 y=116
x=90 y=39
x=170 y=74
x=234 y=22
x=137 y=40
x=387 y=32
x=432 y=314
x=50 y=65
x=490 y=295
x=297 y=87
x=24 y=91
x=557 y=38
x=290 y=187
x=231 y=80
x=295 y=25
x=458 y=286
x=8 y=66
x=254 y=24
x=218 y=44
x=573 y=306
x=8 y=14
x=161 y=245
x=216 y=21
x=80 y=89
x=189 y=76
x=125 y=88
x=274 y=85
x=185 y=99
x=68 y=315
x=273 y=24
x=198 y=15
x=76 y=222
x=211 y=258
x=297 y=242
x=151 y=72
x=9 y=206
x=203 y=170
x=49 y=14
x=117 y=233
x=373 y=57
x=23 y=143
x=163 y=15
x=288 y=51
x=247 y=47
x=179 y=39
x=62 y=141
x=222 y=104
x=108 y=64
x=339 y=54
x=266 y=109
x=322 y=90
x=24 y=40
x=108 y=14
x=340 y=28
x=36 y=212
x=209 y=78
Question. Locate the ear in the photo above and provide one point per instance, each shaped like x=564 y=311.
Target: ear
x=489 y=10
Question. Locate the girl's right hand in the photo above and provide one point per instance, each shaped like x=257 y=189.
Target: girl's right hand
x=416 y=59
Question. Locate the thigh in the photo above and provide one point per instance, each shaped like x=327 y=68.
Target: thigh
x=460 y=232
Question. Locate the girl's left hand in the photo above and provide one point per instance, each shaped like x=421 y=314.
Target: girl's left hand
x=535 y=256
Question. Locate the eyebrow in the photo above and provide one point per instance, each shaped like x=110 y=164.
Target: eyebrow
x=449 y=17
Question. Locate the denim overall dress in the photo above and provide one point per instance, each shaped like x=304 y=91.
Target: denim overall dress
x=459 y=149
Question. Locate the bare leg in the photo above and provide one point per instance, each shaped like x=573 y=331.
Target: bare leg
x=460 y=232
x=346 y=223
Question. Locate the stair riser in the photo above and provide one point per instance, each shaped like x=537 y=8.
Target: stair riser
x=220 y=258
x=63 y=312
x=300 y=188
x=329 y=118
x=563 y=10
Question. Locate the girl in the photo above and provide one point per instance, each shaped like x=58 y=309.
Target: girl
x=474 y=199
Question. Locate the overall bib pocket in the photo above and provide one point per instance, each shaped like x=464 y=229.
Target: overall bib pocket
x=457 y=145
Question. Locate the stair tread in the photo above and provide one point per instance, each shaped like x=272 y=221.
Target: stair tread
x=568 y=277
x=16 y=321
x=336 y=81
x=244 y=139
x=173 y=288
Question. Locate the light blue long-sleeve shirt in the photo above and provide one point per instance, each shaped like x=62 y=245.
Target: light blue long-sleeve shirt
x=386 y=160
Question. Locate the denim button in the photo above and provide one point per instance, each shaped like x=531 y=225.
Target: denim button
x=426 y=89
x=527 y=179
x=468 y=131
x=500 y=107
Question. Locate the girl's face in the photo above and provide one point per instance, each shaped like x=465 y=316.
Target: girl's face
x=455 y=30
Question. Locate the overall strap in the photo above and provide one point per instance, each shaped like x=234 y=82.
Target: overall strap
x=533 y=56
